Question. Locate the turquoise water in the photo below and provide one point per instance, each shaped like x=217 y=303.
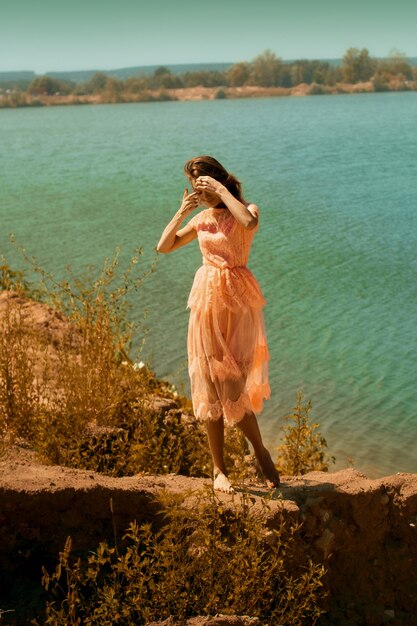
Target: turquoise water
x=335 y=179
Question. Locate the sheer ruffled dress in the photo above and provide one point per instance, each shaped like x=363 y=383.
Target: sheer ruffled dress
x=227 y=346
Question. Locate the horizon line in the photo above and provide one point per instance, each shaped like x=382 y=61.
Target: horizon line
x=151 y=65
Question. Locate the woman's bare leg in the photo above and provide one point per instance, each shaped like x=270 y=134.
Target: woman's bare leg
x=215 y=433
x=250 y=428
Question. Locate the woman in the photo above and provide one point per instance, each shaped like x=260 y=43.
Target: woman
x=227 y=348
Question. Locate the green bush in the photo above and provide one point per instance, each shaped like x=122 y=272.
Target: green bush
x=220 y=94
x=317 y=89
x=303 y=449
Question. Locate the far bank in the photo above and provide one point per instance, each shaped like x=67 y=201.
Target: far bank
x=16 y=99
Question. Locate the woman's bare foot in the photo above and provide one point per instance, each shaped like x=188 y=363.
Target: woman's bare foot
x=221 y=482
x=269 y=470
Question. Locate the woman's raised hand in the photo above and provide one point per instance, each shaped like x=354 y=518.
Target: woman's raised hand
x=189 y=202
x=209 y=184
x=169 y=239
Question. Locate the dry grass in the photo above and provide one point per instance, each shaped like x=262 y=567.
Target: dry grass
x=22 y=381
x=203 y=560
x=51 y=392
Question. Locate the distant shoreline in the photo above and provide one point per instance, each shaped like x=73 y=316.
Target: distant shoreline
x=201 y=93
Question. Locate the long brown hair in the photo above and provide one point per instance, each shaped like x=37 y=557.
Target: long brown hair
x=209 y=166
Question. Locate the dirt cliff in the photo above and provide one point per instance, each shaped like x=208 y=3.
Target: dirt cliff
x=365 y=531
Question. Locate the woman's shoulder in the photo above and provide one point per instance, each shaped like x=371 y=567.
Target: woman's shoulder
x=197 y=218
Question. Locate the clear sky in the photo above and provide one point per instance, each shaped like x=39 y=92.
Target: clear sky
x=48 y=35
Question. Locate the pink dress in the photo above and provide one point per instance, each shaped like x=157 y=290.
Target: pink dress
x=227 y=346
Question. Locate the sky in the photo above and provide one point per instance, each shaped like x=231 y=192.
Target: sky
x=59 y=35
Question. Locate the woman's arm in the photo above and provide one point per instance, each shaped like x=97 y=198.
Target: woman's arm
x=173 y=238
x=240 y=211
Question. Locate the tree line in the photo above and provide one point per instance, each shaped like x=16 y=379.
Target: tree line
x=265 y=70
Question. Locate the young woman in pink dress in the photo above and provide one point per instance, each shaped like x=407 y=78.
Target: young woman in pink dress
x=227 y=346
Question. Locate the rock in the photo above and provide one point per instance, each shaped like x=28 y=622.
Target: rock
x=42 y=320
x=326 y=542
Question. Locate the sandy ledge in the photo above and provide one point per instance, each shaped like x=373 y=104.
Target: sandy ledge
x=365 y=531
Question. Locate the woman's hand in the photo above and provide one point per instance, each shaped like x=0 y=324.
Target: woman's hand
x=212 y=192
x=189 y=202
x=173 y=238
x=207 y=184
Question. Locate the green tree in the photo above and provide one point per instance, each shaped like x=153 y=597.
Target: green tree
x=238 y=74
x=136 y=85
x=266 y=70
x=285 y=78
x=304 y=71
x=47 y=86
x=396 y=65
x=113 y=90
x=357 y=65
x=164 y=79
x=323 y=73
x=204 y=79
x=97 y=83
x=301 y=72
x=161 y=71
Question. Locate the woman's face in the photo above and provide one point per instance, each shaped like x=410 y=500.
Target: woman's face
x=207 y=198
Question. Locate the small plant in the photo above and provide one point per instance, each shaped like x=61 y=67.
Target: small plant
x=12 y=279
x=203 y=560
x=303 y=449
x=23 y=384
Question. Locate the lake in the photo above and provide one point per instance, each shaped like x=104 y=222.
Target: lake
x=336 y=253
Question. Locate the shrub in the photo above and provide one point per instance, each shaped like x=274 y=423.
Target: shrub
x=316 y=89
x=204 y=560
x=87 y=372
x=144 y=438
x=96 y=306
x=303 y=449
x=220 y=94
